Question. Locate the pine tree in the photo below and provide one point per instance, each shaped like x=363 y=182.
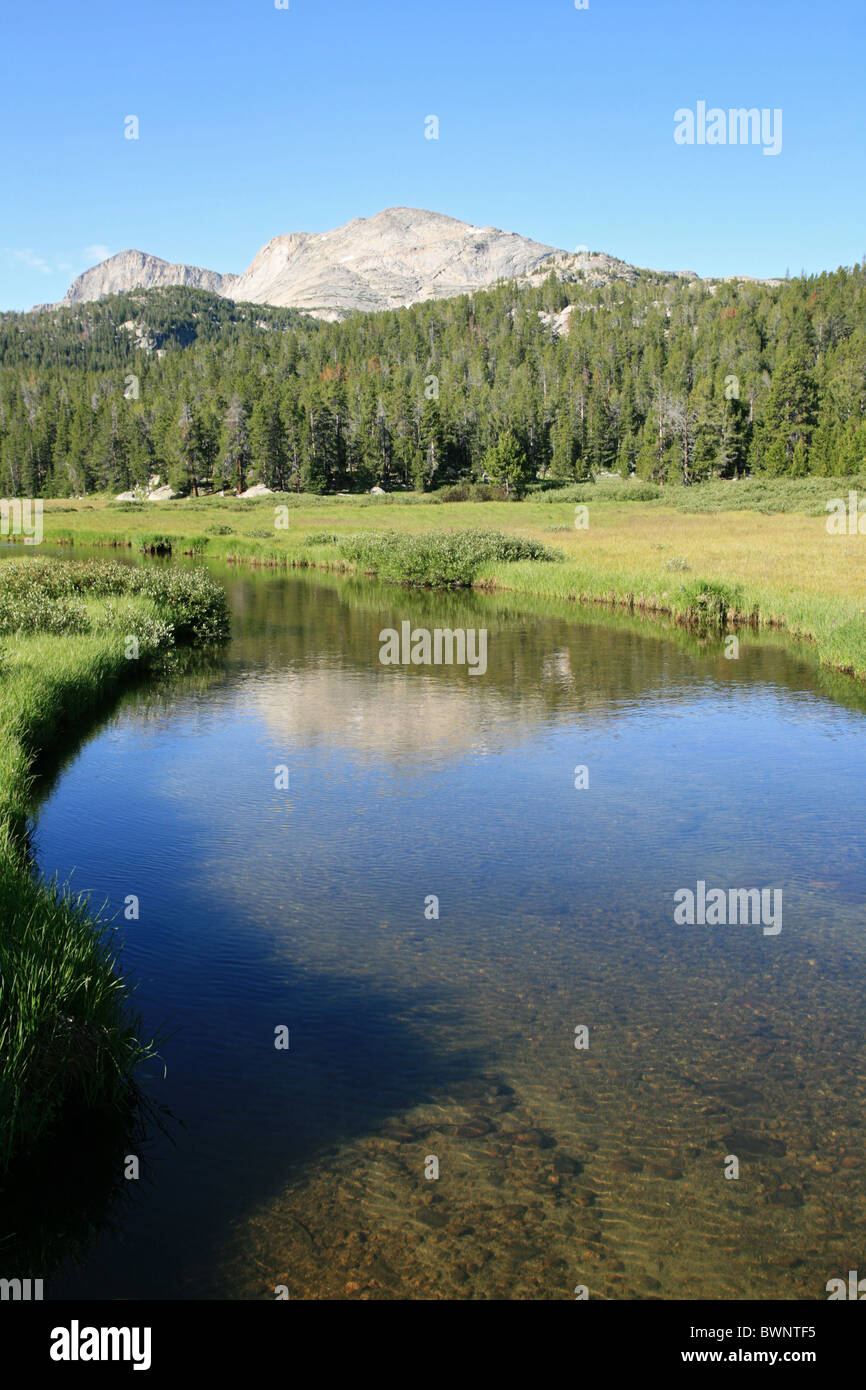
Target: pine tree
x=236 y=453
x=187 y=462
x=268 y=444
x=506 y=463
x=563 y=447
x=791 y=410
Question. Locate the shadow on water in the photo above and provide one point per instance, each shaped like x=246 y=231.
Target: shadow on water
x=369 y=1063
x=73 y=1194
x=55 y=1201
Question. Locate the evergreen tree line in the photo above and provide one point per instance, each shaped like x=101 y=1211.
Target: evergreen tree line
x=670 y=379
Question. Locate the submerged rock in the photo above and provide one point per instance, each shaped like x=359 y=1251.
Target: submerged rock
x=734 y=1093
x=759 y=1145
x=434 y=1219
x=533 y=1139
x=475 y=1128
x=625 y=1164
x=786 y=1197
x=500 y=1105
x=402 y=1134
x=566 y=1166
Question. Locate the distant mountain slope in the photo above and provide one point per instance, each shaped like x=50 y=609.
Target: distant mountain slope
x=398 y=257
x=137 y=270
x=384 y=262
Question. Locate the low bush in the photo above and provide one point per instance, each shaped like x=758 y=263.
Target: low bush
x=50 y=596
x=448 y=560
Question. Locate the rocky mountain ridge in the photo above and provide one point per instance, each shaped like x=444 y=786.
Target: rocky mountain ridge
x=392 y=260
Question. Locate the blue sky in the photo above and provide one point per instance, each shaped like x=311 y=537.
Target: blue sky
x=554 y=122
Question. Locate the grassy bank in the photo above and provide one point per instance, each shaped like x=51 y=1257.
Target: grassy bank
x=71 y=635
x=758 y=548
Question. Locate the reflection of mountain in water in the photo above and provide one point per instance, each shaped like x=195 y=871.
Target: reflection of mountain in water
x=395 y=715
x=322 y=684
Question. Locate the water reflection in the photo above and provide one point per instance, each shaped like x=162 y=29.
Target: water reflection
x=453 y=1035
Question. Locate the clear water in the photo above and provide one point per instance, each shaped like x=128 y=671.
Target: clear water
x=413 y=1037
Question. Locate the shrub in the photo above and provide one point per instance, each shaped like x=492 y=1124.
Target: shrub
x=35 y=612
x=48 y=596
x=470 y=492
x=190 y=598
x=442 y=561
x=608 y=490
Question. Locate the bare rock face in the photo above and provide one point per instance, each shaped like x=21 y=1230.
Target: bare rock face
x=130 y=270
x=398 y=257
x=394 y=259
x=558 y=323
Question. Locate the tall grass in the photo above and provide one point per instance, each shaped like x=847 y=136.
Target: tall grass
x=168 y=545
x=709 y=605
x=67 y=1035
